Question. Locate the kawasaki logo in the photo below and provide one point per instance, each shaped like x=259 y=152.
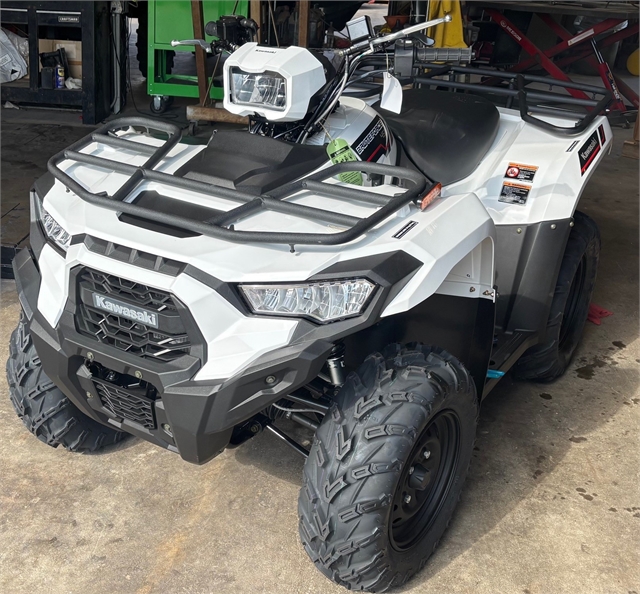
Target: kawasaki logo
x=126 y=311
x=588 y=151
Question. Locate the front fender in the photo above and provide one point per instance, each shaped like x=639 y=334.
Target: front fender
x=457 y=251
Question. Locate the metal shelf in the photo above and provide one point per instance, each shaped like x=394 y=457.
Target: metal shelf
x=92 y=18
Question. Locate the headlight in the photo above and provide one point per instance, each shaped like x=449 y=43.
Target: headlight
x=54 y=231
x=266 y=89
x=323 y=301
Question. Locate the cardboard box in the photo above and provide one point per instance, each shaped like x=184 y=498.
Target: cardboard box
x=73 y=49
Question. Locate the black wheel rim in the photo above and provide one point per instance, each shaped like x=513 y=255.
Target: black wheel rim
x=571 y=306
x=425 y=481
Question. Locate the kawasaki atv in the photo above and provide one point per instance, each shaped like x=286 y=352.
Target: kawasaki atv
x=366 y=264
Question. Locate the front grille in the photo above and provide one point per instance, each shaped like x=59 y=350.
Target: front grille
x=166 y=343
x=126 y=404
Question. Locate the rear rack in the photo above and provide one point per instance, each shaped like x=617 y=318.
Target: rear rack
x=529 y=100
x=221 y=225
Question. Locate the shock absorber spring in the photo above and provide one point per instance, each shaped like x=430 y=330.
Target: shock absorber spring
x=335 y=365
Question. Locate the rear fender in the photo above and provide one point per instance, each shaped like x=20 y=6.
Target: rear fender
x=527 y=266
x=551 y=170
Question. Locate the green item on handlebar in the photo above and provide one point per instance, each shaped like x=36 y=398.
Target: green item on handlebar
x=339 y=151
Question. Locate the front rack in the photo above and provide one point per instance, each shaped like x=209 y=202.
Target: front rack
x=221 y=225
x=529 y=100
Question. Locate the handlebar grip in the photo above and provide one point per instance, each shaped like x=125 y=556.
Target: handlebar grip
x=444 y=54
x=211 y=29
x=250 y=24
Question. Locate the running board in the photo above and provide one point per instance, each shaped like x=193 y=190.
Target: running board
x=503 y=357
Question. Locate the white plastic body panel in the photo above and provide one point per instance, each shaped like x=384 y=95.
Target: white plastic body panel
x=303 y=72
x=558 y=182
x=350 y=121
x=443 y=236
x=453 y=238
x=475 y=272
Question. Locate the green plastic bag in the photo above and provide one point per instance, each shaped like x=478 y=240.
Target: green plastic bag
x=339 y=151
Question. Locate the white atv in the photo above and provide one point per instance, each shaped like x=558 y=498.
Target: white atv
x=196 y=295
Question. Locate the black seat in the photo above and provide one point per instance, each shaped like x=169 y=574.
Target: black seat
x=256 y=164
x=445 y=135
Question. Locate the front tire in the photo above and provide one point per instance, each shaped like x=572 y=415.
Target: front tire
x=44 y=409
x=387 y=466
x=547 y=361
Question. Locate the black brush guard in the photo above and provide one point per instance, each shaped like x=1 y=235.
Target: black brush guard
x=221 y=224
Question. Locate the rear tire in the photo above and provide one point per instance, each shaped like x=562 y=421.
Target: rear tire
x=547 y=361
x=43 y=408
x=374 y=503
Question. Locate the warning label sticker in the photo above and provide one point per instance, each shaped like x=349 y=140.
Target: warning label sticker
x=521 y=172
x=513 y=193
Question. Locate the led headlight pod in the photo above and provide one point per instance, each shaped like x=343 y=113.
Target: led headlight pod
x=265 y=89
x=54 y=231
x=325 y=301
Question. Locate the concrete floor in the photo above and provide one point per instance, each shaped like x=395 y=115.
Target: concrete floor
x=552 y=503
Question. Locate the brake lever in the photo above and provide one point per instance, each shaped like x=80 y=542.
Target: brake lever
x=198 y=42
x=376 y=41
x=411 y=30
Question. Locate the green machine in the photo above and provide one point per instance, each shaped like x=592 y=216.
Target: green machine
x=169 y=20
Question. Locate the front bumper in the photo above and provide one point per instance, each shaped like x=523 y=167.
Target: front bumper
x=193 y=418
